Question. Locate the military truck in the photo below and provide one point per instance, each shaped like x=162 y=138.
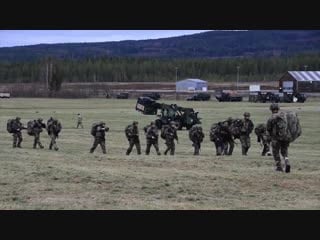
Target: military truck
x=184 y=117
x=199 y=97
x=228 y=97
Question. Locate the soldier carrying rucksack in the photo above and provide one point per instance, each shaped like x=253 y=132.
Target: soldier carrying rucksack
x=152 y=136
x=34 y=128
x=221 y=135
x=246 y=129
x=98 y=131
x=196 y=136
x=132 y=134
x=53 y=128
x=283 y=128
x=14 y=126
x=169 y=133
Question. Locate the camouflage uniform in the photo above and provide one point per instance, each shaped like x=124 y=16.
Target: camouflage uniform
x=79 y=122
x=229 y=141
x=152 y=137
x=37 y=129
x=278 y=146
x=263 y=138
x=17 y=135
x=132 y=134
x=53 y=128
x=99 y=137
x=170 y=135
x=246 y=130
x=196 y=136
x=220 y=135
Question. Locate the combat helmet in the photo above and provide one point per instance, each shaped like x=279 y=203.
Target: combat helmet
x=246 y=114
x=274 y=107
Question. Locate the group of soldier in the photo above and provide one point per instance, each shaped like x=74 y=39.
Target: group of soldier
x=223 y=134
x=35 y=127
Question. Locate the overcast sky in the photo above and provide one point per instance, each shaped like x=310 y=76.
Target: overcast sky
x=9 y=38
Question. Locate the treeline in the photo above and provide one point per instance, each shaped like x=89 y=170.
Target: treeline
x=126 y=69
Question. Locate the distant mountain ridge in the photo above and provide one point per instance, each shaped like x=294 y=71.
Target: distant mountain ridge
x=212 y=44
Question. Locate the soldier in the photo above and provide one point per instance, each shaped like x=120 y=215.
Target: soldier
x=152 y=137
x=246 y=129
x=263 y=138
x=170 y=134
x=79 y=120
x=16 y=127
x=220 y=135
x=229 y=140
x=99 y=131
x=37 y=126
x=196 y=136
x=53 y=128
x=278 y=146
x=132 y=134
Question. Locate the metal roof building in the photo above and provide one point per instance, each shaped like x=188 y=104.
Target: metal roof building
x=300 y=81
x=192 y=84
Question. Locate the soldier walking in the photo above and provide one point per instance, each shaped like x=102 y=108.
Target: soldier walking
x=196 y=136
x=246 y=129
x=16 y=127
x=79 y=120
x=278 y=145
x=53 y=127
x=37 y=129
x=132 y=134
x=170 y=134
x=152 y=137
x=228 y=137
x=99 y=131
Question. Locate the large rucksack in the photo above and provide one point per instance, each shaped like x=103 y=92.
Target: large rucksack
x=164 y=131
x=288 y=126
x=260 y=129
x=10 y=123
x=30 y=126
x=94 y=129
x=128 y=131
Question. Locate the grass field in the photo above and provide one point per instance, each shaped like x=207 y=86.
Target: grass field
x=72 y=178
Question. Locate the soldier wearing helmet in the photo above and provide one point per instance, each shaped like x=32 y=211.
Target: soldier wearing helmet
x=17 y=126
x=170 y=134
x=37 y=129
x=132 y=134
x=279 y=146
x=99 y=136
x=196 y=135
x=152 y=136
x=228 y=137
x=245 y=131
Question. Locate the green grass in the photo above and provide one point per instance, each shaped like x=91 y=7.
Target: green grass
x=72 y=178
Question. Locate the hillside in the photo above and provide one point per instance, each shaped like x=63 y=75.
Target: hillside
x=212 y=44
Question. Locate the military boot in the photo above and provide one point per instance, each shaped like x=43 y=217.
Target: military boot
x=287 y=165
x=159 y=153
x=279 y=167
x=41 y=146
x=56 y=148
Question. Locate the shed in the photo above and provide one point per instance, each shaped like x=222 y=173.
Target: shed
x=300 y=81
x=192 y=84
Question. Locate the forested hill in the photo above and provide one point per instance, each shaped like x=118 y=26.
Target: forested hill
x=212 y=44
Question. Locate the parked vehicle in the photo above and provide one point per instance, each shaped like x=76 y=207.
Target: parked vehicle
x=199 y=97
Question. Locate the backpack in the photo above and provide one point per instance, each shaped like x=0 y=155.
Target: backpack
x=213 y=132
x=10 y=123
x=287 y=126
x=94 y=129
x=260 y=129
x=30 y=125
x=164 y=131
x=128 y=131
